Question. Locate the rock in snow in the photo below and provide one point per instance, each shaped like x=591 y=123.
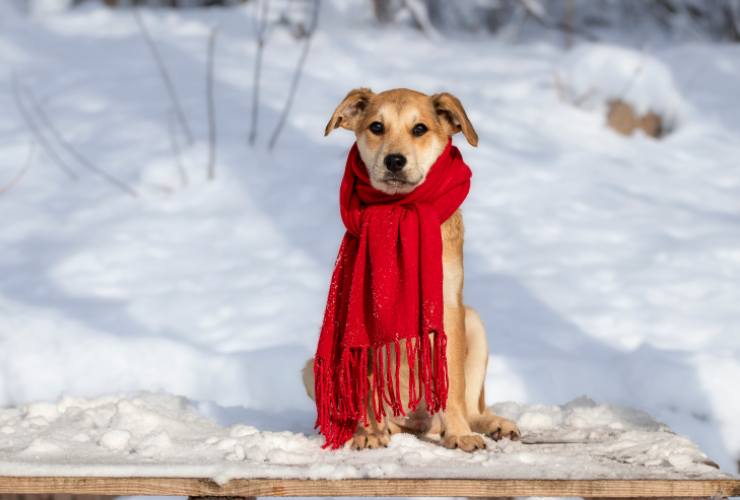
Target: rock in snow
x=150 y=434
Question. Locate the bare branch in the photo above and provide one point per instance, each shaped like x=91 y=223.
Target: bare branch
x=15 y=180
x=39 y=110
x=211 y=106
x=732 y=15
x=564 y=93
x=420 y=15
x=581 y=99
x=568 y=23
x=176 y=152
x=297 y=74
x=36 y=131
x=169 y=86
x=534 y=10
x=261 y=30
x=383 y=11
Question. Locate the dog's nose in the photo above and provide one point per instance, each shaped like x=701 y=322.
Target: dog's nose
x=394 y=163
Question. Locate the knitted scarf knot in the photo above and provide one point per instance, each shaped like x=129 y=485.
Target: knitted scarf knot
x=385 y=297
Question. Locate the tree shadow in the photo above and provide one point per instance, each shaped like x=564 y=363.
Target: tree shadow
x=556 y=361
x=275 y=421
x=29 y=279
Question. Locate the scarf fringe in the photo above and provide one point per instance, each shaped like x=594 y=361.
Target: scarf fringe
x=342 y=408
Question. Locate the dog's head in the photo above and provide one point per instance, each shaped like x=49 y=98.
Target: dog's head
x=400 y=133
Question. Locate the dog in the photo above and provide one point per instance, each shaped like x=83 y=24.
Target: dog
x=400 y=133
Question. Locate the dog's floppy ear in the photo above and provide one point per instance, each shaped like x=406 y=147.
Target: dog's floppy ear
x=349 y=110
x=451 y=111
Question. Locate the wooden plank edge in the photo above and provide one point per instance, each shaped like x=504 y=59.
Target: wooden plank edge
x=615 y=488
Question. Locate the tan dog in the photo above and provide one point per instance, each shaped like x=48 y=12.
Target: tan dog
x=400 y=133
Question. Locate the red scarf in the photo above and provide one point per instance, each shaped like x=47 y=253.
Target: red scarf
x=386 y=289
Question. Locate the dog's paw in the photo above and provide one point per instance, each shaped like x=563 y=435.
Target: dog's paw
x=370 y=439
x=496 y=427
x=467 y=442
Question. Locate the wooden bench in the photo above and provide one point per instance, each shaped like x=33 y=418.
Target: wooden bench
x=194 y=487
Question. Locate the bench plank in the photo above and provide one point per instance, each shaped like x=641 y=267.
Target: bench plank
x=615 y=488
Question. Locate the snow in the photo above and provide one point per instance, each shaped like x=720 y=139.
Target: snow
x=601 y=265
x=594 y=74
x=158 y=435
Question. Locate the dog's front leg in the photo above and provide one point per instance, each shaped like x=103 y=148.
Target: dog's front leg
x=457 y=432
x=377 y=433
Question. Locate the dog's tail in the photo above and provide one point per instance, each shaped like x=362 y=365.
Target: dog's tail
x=308 y=380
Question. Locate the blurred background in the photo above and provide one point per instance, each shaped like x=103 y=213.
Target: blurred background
x=169 y=203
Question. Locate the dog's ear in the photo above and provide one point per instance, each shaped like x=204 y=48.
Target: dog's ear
x=451 y=112
x=349 y=110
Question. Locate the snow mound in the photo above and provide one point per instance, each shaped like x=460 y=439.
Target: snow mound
x=148 y=434
x=595 y=74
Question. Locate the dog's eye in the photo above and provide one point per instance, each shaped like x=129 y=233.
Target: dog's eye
x=419 y=129
x=376 y=128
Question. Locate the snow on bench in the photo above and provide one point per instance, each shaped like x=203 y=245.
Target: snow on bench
x=158 y=444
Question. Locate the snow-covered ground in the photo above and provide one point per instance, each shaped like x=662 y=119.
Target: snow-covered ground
x=158 y=435
x=602 y=265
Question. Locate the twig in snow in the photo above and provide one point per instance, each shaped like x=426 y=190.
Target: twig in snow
x=36 y=131
x=15 y=180
x=164 y=74
x=559 y=88
x=578 y=101
x=211 y=106
x=261 y=30
x=628 y=86
x=296 y=74
x=564 y=93
x=176 y=152
x=39 y=110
